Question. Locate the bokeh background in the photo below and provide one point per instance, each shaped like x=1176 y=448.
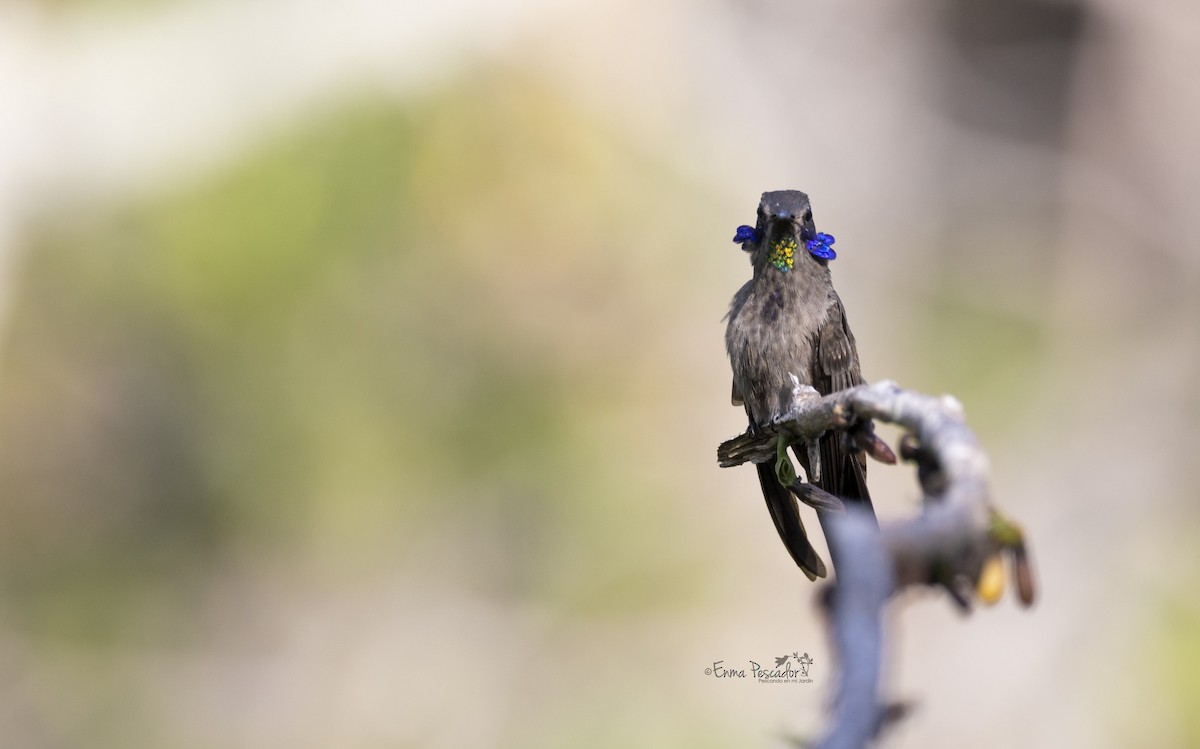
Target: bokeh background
x=361 y=364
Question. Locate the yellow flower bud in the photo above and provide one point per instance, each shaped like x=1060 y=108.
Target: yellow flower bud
x=991 y=580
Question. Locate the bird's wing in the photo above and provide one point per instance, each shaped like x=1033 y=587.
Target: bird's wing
x=836 y=368
x=837 y=357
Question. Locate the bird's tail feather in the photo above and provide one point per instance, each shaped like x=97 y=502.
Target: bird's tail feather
x=843 y=474
x=786 y=514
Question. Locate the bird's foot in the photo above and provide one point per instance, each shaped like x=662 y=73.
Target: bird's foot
x=785 y=472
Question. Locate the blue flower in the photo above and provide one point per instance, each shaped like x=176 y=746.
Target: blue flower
x=821 y=246
x=746 y=234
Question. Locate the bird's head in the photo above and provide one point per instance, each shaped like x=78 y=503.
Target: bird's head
x=785 y=235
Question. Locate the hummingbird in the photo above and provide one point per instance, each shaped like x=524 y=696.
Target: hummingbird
x=787 y=327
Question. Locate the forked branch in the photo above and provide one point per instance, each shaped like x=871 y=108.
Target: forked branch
x=956 y=540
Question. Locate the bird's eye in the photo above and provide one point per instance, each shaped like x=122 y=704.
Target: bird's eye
x=808 y=215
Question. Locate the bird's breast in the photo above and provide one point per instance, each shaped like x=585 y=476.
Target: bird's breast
x=770 y=338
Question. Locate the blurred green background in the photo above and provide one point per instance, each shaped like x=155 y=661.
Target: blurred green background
x=361 y=373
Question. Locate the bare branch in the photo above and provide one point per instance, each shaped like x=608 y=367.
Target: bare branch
x=946 y=544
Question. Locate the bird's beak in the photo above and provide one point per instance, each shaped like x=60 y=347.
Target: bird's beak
x=785 y=226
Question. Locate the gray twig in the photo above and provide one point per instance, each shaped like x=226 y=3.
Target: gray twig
x=946 y=544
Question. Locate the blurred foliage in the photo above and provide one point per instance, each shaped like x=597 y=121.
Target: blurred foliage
x=398 y=329
x=978 y=347
x=1176 y=669
x=981 y=352
x=123 y=6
